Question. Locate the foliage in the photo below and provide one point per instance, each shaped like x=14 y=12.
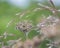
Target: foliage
x=11 y=15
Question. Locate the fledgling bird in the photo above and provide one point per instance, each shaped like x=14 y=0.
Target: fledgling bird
x=24 y=26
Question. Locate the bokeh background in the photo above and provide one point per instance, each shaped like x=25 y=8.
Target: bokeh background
x=9 y=9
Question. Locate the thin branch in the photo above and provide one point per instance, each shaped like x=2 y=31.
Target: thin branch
x=53 y=10
x=51 y=2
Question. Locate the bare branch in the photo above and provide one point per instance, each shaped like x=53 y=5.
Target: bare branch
x=51 y=2
x=53 y=10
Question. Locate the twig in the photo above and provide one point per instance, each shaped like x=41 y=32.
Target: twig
x=53 y=10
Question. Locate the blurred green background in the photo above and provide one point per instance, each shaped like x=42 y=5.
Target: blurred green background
x=8 y=12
